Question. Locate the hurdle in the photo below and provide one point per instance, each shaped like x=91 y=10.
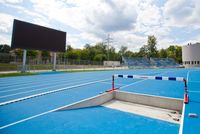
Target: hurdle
x=181 y=79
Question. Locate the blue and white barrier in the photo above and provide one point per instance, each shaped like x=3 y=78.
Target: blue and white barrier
x=149 y=77
x=181 y=79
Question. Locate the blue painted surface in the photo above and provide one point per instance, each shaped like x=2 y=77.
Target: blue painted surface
x=192 y=125
x=85 y=120
x=95 y=120
x=52 y=72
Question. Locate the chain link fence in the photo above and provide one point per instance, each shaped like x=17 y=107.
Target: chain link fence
x=14 y=63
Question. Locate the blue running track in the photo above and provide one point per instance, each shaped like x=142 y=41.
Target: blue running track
x=37 y=115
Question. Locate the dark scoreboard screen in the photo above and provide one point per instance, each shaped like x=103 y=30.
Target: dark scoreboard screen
x=30 y=36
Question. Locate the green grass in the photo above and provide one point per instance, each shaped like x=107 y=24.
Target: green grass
x=16 y=74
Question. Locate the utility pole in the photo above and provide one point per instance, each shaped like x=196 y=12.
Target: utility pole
x=108 y=41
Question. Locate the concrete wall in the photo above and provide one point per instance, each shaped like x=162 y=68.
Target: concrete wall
x=162 y=102
x=150 y=100
x=191 y=55
x=90 y=102
x=111 y=63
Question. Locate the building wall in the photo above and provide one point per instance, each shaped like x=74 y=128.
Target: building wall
x=111 y=63
x=191 y=55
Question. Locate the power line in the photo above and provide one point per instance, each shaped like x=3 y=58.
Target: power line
x=108 y=41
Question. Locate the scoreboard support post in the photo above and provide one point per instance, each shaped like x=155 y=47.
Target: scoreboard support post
x=54 y=61
x=23 y=69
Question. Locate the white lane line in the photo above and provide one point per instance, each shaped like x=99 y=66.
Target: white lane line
x=53 y=110
x=109 y=83
x=195 y=81
x=34 y=80
x=21 y=82
x=36 y=85
x=52 y=81
x=188 y=73
x=39 y=81
x=183 y=111
x=39 y=89
x=182 y=119
x=192 y=91
x=44 y=87
x=31 y=117
x=132 y=84
x=49 y=92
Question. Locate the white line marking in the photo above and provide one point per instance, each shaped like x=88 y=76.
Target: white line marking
x=192 y=91
x=115 y=83
x=188 y=73
x=5 y=96
x=132 y=83
x=183 y=111
x=54 y=81
x=36 y=84
x=182 y=119
x=53 y=110
x=195 y=81
x=49 y=92
x=31 y=117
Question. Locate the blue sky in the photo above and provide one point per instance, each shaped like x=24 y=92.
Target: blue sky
x=129 y=22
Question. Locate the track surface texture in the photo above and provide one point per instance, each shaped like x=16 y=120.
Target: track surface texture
x=28 y=103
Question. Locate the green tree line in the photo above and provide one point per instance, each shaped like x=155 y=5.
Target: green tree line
x=101 y=52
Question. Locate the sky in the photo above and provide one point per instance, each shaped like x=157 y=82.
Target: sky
x=128 y=22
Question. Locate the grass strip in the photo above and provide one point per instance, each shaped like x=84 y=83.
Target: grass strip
x=16 y=74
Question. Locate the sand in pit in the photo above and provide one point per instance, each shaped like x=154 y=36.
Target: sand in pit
x=144 y=110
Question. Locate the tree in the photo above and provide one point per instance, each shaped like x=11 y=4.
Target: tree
x=100 y=48
x=73 y=54
x=112 y=53
x=45 y=54
x=18 y=52
x=128 y=54
x=100 y=57
x=87 y=46
x=163 y=53
x=143 y=51
x=123 y=50
x=69 y=48
x=84 y=54
x=175 y=52
x=32 y=53
x=178 y=54
x=4 y=48
x=151 y=46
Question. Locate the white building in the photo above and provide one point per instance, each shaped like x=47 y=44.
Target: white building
x=111 y=63
x=191 y=55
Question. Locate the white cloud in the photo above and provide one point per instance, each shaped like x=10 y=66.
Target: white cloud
x=11 y=1
x=129 y=39
x=4 y=39
x=6 y=22
x=182 y=13
x=93 y=20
